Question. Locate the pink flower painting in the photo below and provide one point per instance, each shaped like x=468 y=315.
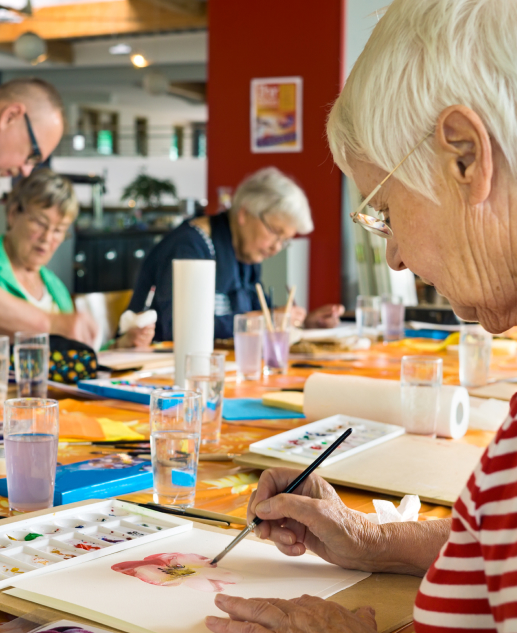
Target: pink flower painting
x=173 y=570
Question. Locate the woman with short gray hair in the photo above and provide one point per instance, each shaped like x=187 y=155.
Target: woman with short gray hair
x=267 y=211
x=427 y=128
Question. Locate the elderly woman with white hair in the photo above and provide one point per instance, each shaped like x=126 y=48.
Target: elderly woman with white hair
x=267 y=211
x=427 y=127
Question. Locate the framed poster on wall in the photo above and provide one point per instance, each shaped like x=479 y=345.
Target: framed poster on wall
x=276 y=114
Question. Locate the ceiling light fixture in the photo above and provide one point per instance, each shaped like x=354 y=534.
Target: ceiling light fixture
x=120 y=49
x=139 y=60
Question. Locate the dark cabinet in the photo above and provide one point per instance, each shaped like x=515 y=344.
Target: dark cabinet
x=105 y=264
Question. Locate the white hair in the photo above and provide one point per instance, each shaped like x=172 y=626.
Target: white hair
x=423 y=56
x=271 y=191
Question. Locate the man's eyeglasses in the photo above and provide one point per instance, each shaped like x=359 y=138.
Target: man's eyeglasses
x=283 y=242
x=35 y=156
x=368 y=222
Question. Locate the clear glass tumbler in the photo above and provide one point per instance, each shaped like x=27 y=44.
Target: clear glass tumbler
x=276 y=344
x=31 y=434
x=475 y=355
x=204 y=373
x=367 y=316
x=5 y=361
x=392 y=315
x=247 y=334
x=420 y=382
x=175 y=416
x=31 y=353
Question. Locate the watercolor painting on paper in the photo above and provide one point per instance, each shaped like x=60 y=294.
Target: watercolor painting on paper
x=173 y=570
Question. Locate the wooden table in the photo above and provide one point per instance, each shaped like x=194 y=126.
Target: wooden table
x=225 y=487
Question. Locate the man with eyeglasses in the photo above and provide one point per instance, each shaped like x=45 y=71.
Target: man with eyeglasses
x=32 y=122
x=268 y=210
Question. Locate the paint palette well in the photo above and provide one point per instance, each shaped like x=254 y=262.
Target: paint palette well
x=305 y=443
x=62 y=539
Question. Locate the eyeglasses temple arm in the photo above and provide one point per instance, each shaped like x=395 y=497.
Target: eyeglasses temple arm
x=366 y=201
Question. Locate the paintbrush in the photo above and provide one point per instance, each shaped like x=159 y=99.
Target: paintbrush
x=189 y=513
x=290 y=488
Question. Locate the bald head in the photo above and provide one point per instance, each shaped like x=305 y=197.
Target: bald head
x=23 y=103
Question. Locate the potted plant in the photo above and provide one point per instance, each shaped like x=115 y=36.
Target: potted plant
x=147 y=191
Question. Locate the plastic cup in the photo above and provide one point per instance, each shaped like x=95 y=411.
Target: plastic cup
x=175 y=436
x=367 y=316
x=420 y=383
x=31 y=434
x=276 y=345
x=392 y=315
x=31 y=353
x=475 y=355
x=247 y=333
x=204 y=373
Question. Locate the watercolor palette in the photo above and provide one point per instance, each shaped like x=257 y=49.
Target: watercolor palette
x=65 y=538
x=305 y=443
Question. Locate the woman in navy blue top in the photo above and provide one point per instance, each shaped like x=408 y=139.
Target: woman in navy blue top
x=268 y=210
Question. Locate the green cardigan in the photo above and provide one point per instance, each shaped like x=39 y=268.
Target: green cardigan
x=55 y=286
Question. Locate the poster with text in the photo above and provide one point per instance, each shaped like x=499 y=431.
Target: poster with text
x=276 y=114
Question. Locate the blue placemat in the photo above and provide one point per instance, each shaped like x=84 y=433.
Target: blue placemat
x=253 y=409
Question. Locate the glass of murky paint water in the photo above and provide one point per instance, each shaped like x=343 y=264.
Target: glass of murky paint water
x=420 y=383
x=31 y=433
x=475 y=355
x=175 y=417
x=247 y=335
x=204 y=373
x=31 y=353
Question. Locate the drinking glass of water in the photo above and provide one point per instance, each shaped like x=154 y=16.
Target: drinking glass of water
x=31 y=432
x=31 y=364
x=204 y=373
x=475 y=355
x=367 y=316
x=420 y=382
x=247 y=332
x=392 y=315
x=276 y=345
x=175 y=435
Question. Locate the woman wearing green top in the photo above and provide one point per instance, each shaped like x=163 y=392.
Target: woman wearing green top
x=40 y=210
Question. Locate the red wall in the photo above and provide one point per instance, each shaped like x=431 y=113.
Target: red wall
x=275 y=38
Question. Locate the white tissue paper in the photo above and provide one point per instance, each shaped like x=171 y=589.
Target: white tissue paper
x=130 y=320
x=487 y=414
x=386 y=512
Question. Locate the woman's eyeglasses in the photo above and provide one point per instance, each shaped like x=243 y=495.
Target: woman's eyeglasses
x=279 y=239
x=35 y=156
x=368 y=222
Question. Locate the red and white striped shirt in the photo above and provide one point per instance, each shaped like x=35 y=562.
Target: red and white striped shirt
x=472 y=585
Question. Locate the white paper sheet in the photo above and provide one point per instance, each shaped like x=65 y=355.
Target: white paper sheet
x=96 y=592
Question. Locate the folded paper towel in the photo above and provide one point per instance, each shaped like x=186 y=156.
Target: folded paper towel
x=386 y=512
x=131 y=319
x=379 y=400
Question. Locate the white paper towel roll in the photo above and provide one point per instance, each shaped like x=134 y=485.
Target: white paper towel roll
x=193 y=288
x=379 y=400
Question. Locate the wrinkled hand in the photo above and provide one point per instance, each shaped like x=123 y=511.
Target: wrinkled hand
x=137 y=337
x=301 y=615
x=325 y=317
x=313 y=518
x=79 y=326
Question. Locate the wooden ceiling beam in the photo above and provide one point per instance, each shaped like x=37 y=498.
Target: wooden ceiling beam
x=122 y=17
x=57 y=51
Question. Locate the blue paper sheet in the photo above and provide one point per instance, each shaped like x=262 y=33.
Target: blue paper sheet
x=253 y=409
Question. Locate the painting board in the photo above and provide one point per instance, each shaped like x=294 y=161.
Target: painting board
x=435 y=469
x=132 y=605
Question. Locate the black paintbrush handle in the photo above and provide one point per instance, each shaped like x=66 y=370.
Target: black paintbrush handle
x=310 y=469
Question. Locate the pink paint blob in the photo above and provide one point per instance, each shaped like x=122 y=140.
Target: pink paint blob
x=173 y=570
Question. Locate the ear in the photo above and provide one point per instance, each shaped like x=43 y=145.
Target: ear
x=241 y=216
x=11 y=113
x=465 y=145
x=12 y=212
